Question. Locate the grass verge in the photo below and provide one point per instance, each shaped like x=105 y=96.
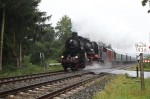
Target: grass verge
x=146 y=67
x=123 y=87
x=30 y=70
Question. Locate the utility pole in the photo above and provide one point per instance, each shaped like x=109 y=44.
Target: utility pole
x=141 y=71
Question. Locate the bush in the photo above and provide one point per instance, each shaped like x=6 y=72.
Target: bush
x=146 y=65
x=9 y=67
x=26 y=61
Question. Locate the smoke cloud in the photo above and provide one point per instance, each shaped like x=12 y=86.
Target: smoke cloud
x=121 y=23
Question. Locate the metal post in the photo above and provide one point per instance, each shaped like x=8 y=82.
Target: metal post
x=142 y=72
x=138 y=59
x=137 y=71
x=42 y=57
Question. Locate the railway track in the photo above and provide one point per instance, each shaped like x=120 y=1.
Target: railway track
x=11 y=83
x=78 y=90
x=25 y=77
x=52 y=88
x=10 y=88
x=52 y=85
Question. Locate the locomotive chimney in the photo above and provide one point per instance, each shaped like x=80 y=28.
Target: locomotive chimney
x=74 y=34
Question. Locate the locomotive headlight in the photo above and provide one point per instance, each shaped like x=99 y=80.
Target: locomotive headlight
x=62 y=56
x=76 y=56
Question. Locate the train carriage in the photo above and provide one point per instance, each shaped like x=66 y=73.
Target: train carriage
x=133 y=59
x=118 y=58
x=123 y=58
x=108 y=55
x=128 y=58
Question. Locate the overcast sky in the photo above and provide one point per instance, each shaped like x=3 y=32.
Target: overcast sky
x=121 y=23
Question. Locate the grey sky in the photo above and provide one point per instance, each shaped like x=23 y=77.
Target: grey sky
x=121 y=23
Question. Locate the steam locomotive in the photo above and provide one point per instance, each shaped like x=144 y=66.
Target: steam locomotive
x=80 y=52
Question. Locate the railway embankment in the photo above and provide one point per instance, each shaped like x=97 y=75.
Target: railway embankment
x=33 y=69
x=126 y=86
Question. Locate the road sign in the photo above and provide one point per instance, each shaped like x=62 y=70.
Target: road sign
x=142 y=47
x=42 y=57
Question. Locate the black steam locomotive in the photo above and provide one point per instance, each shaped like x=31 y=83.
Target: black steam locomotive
x=79 y=52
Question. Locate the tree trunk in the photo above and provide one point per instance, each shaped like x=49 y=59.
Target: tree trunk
x=14 y=51
x=2 y=35
x=20 y=54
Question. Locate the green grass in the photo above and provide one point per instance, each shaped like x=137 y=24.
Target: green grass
x=32 y=69
x=29 y=68
x=123 y=87
x=146 y=67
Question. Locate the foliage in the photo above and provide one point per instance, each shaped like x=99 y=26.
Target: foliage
x=144 y=2
x=63 y=28
x=124 y=88
x=63 y=31
x=36 y=50
x=26 y=61
x=147 y=65
x=24 y=24
x=27 y=34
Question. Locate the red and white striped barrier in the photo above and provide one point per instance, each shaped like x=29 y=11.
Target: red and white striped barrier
x=146 y=61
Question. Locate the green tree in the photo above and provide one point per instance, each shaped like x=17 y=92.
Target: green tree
x=63 y=31
x=43 y=45
x=63 y=28
x=22 y=25
x=144 y=2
